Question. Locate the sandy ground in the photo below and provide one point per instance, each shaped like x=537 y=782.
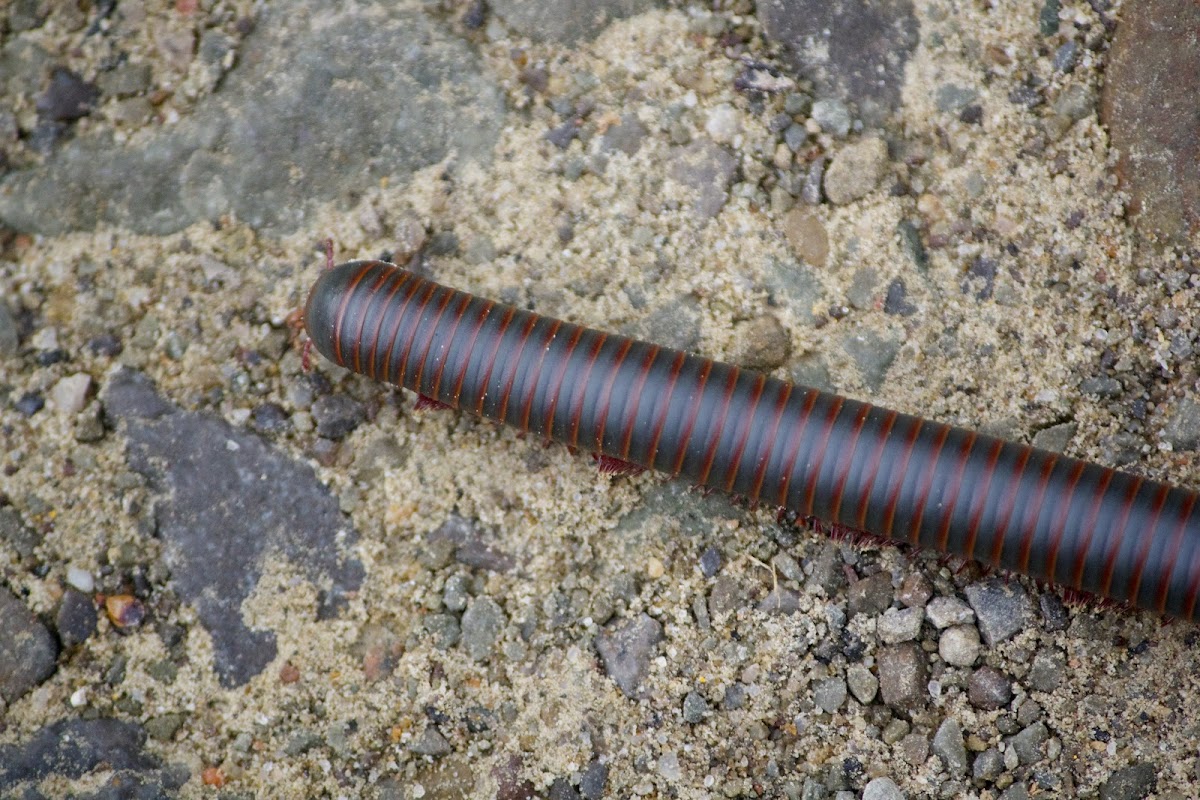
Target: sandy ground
x=589 y=548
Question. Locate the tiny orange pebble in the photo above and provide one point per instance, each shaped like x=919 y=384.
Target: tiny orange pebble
x=125 y=610
x=212 y=776
x=289 y=673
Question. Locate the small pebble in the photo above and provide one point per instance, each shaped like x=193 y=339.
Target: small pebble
x=80 y=579
x=862 y=683
x=1027 y=743
x=829 y=694
x=761 y=344
x=68 y=97
x=989 y=688
x=431 y=743
x=1130 y=783
x=903 y=674
x=337 y=415
x=948 y=746
x=856 y=170
x=899 y=625
x=1002 y=609
x=70 y=393
x=946 y=611
x=833 y=117
x=9 y=340
x=988 y=765
x=482 y=625
x=124 y=610
x=882 y=789
x=710 y=562
x=806 y=234
x=723 y=124
x=695 y=708
x=29 y=404
x=959 y=645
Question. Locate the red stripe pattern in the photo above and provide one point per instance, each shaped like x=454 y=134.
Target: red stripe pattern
x=891 y=475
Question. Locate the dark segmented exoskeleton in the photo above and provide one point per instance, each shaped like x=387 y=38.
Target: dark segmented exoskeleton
x=891 y=475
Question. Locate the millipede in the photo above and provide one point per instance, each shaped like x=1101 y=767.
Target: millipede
x=891 y=476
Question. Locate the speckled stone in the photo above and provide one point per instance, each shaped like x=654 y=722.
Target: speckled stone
x=565 y=21
x=899 y=625
x=856 y=170
x=829 y=694
x=883 y=789
x=959 y=645
x=707 y=169
x=1002 y=609
x=948 y=746
x=851 y=51
x=625 y=647
x=29 y=654
x=1154 y=70
x=989 y=688
x=481 y=626
x=903 y=674
x=1130 y=783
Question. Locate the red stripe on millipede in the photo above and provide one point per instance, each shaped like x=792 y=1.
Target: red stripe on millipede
x=760 y=473
x=817 y=456
x=509 y=380
x=459 y=316
x=575 y=417
x=365 y=305
x=845 y=461
x=1089 y=528
x=406 y=351
x=893 y=498
x=665 y=401
x=339 y=318
x=564 y=361
x=602 y=407
x=469 y=349
x=1176 y=542
x=693 y=409
x=505 y=321
x=743 y=436
x=1160 y=500
x=1119 y=532
x=373 y=356
x=536 y=373
x=710 y=453
x=1059 y=523
x=399 y=314
x=1010 y=502
x=795 y=439
x=950 y=496
x=433 y=326
x=926 y=483
x=872 y=472
x=979 y=495
x=639 y=387
x=1032 y=512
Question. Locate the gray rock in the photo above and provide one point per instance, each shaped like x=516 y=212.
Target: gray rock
x=707 y=169
x=674 y=325
x=1002 y=609
x=255 y=151
x=853 y=51
x=899 y=625
x=988 y=765
x=864 y=288
x=871 y=595
x=337 y=415
x=1056 y=437
x=1130 y=783
x=903 y=675
x=1027 y=744
x=16 y=534
x=946 y=611
x=444 y=630
x=883 y=789
x=1046 y=672
x=592 y=781
x=989 y=688
x=761 y=344
x=431 y=743
x=780 y=600
x=952 y=99
x=625 y=137
x=566 y=21
x=833 y=116
x=75 y=621
x=856 y=170
x=872 y=354
x=9 y=339
x=73 y=748
x=482 y=625
x=625 y=647
x=948 y=746
x=959 y=645
x=454 y=593
x=695 y=708
x=863 y=684
x=29 y=655
x=829 y=694
x=792 y=284
x=1182 y=430
x=710 y=562
x=206 y=475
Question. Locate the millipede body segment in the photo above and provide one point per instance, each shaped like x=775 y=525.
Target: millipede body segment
x=887 y=474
